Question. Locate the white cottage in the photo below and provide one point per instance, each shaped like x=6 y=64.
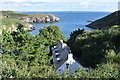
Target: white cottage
x=63 y=59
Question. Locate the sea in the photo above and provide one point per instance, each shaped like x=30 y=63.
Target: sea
x=69 y=20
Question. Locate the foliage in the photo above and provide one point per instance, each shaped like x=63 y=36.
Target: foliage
x=9 y=23
x=15 y=15
x=25 y=56
x=104 y=70
x=100 y=50
x=76 y=33
x=93 y=47
x=107 y=21
x=12 y=22
x=14 y=67
x=51 y=34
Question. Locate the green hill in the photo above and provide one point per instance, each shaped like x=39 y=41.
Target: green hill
x=30 y=18
x=107 y=21
x=15 y=15
x=10 y=24
x=11 y=21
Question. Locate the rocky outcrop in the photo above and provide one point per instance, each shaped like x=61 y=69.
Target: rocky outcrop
x=18 y=20
x=47 y=19
x=15 y=28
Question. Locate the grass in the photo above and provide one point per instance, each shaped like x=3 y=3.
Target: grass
x=116 y=26
x=12 y=19
x=107 y=21
x=8 y=22
x=15 y=15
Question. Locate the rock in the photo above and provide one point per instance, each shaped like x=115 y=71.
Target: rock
x=52 y=18
x=57 y=19
x=13 y=28
x=5 y=16
x=38 y=20
x=89 y=21
x=28 y=27
x=49 y=18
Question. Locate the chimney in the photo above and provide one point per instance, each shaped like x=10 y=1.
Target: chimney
x=70 y=56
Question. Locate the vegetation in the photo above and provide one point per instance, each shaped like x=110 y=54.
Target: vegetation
x=9 y=22
x=10 y=19
x=15 y=15
x=99 y=50
x=93 y=46
x=51 y=34
x=26 y=56
x=107 y=21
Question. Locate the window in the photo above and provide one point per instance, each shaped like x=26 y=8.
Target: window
x=67 y=65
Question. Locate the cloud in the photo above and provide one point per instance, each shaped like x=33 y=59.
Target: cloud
x=59 y=0
x=60 y=6
x=14 y=0
x=84 y=3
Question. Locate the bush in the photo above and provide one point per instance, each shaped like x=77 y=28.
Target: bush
x=93 y=47
x=104 y=70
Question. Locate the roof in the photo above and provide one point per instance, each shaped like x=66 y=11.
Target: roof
x=60 y=54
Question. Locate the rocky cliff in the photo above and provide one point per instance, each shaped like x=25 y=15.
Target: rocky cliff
x=13 y=25
x=34 y=19
x=15 y=28
x=12 y=21
x=31 y=18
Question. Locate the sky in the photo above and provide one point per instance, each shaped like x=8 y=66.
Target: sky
x=60 y=5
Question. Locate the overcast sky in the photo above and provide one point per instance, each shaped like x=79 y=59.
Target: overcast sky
x=60 y=5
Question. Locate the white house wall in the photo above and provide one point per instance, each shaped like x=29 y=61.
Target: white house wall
x=70 y=64
x=71 y=67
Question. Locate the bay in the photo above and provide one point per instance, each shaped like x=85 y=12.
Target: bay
x=69 y=20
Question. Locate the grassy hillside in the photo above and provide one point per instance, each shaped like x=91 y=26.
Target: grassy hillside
x=11 y=19
x=15 y=15
x=107 y=21
x=9 y=24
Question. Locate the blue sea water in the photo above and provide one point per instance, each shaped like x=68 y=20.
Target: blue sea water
x=69 y=20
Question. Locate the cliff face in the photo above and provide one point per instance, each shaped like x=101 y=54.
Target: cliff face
x=106 y=22
x=13 y=27
x=47 y=19
x=12 y=21
x=31 y=18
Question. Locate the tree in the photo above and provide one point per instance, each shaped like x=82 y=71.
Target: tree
x=51 y=34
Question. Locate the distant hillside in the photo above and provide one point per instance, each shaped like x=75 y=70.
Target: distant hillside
x=38 y=17
x=18 y=15
x=12 y=21
x=107 y=21
x=13 y=25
